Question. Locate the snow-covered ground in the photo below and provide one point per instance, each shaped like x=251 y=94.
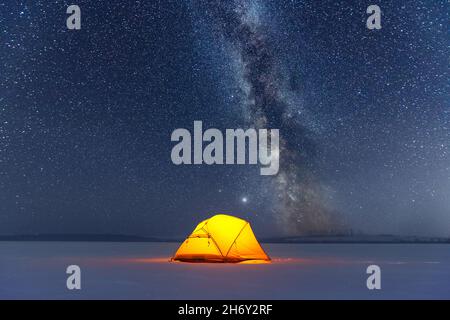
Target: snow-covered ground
x=300 y=271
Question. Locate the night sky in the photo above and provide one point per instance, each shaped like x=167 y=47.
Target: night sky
x=86 y=115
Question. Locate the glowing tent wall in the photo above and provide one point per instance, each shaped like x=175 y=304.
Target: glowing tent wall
x=222 y=238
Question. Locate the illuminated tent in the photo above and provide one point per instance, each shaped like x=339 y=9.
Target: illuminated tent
x=222 y=238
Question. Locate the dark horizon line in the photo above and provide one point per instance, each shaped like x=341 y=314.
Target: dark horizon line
x=359 y=238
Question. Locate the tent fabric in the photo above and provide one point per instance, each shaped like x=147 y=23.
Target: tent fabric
x=221 y=238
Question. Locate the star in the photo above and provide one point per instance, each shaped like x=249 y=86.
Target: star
x=86 y=117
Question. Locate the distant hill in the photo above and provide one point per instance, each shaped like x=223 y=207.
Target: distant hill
x=302 y=239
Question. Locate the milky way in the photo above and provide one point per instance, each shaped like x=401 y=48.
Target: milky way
x=299 y=205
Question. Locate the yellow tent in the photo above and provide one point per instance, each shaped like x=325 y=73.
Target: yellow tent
x=221 y=238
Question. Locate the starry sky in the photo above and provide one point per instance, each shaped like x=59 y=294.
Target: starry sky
x=86 y=115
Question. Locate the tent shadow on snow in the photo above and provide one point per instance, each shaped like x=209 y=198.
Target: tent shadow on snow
x=222 y=238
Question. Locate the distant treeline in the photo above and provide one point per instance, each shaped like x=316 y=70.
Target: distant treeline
x=358 y=239
x=82 y=237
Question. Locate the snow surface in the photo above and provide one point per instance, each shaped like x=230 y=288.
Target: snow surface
x=37 y=270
